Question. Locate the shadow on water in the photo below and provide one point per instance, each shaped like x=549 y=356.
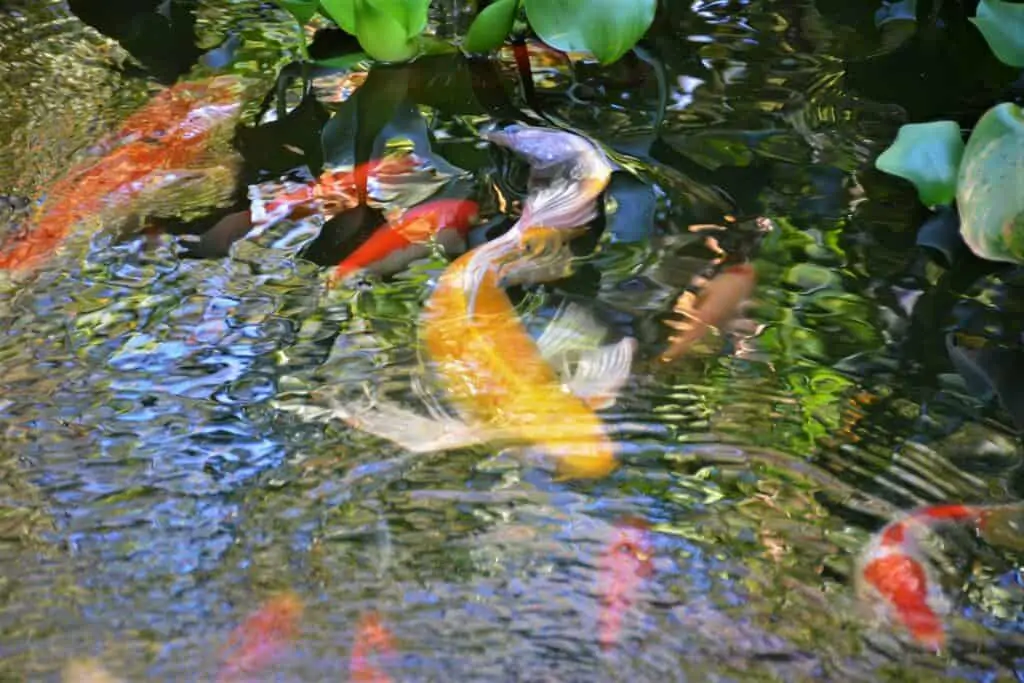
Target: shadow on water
x=153 y=493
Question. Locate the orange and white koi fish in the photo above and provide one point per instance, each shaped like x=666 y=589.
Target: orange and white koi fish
x=372 y=638
x=894 y=576
x=262 y=637
x=165 y=145
x=568 y=173
x=622 y=567
x=405 y=238
x=333 y=192
x=716 y=305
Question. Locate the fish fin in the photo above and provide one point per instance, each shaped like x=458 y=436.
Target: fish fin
x=602 y=372
x=391 y=422
x=572 y=330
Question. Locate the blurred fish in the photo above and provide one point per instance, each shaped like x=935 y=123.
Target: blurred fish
x=493 y=370
x=405 y=238
x=262 y=637
x=508 y=388
x=894 y=576
x=568 y=173
x=621 y=568
x=716 y=305
x=372 y=637
x=162 y=150
x=87 y=670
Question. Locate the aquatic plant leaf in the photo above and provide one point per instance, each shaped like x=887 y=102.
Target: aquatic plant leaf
x=489 y=29
x=990 y=187
x=1002 y=25
x=606 y=28
x=341 y=12
x=383 y=33
x=344 y=62
x=928 y=155
x=302 y=10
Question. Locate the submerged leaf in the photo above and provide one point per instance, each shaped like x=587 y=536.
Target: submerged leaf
x=1002 y=25
x=302 y=10
x=990 y=189
x=489 y=29
x=928 y=155
x=606 y=28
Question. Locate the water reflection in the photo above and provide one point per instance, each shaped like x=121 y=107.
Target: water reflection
x=153 y=496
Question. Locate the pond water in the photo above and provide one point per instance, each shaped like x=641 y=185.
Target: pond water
x=156 y=488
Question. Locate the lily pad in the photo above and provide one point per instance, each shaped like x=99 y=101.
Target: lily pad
x=606 y=28
x=1002 y=25
x=928 y=155
x=990 y=190
x=384 y=33
x=489 y=29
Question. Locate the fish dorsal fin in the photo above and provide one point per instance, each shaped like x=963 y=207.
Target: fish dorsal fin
x=602 y=372
x=573 y=330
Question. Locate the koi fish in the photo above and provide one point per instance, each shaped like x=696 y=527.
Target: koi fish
x=372 y=637
x=333 y=192
x=621 y=568
x=718 y=303
x=568 y=173
x=894 y=575
x=493 y=370
x=262 y=637
x=163 y=148
x=404 y=238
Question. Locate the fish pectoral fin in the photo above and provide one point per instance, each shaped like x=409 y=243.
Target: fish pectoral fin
x=602 y=372
x=574 y=329
x=408 y=429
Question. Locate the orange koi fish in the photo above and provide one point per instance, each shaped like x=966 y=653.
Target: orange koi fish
x=372 y=637
x=333 y=192
x=262 y=637
x=493 y=370
x=623 y=565
x=159 y=147
x=405 y=238
x=893 y=571
x=717 y=304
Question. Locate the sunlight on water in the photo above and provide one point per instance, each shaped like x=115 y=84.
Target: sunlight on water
x=170 y=448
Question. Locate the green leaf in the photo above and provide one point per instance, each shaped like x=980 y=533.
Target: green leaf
x=342 y=13
x=990 y=189
x=381 y=35
x=410 y=14
x=302 y=10
x=490 y=27
x=928 y=155
x=1002 y=24
x=343 y=62
x=606 y=28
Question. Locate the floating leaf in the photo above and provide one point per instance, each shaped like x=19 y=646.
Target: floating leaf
x=1002 y=24
x=990 y=189
x=606 y=28
x=302 y=10
x=928 y=155
x=342 y=13
x=489 y=29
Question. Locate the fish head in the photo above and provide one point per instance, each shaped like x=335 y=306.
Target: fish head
x=544 y=149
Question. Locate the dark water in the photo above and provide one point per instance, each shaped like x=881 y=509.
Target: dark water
x=153 y=493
